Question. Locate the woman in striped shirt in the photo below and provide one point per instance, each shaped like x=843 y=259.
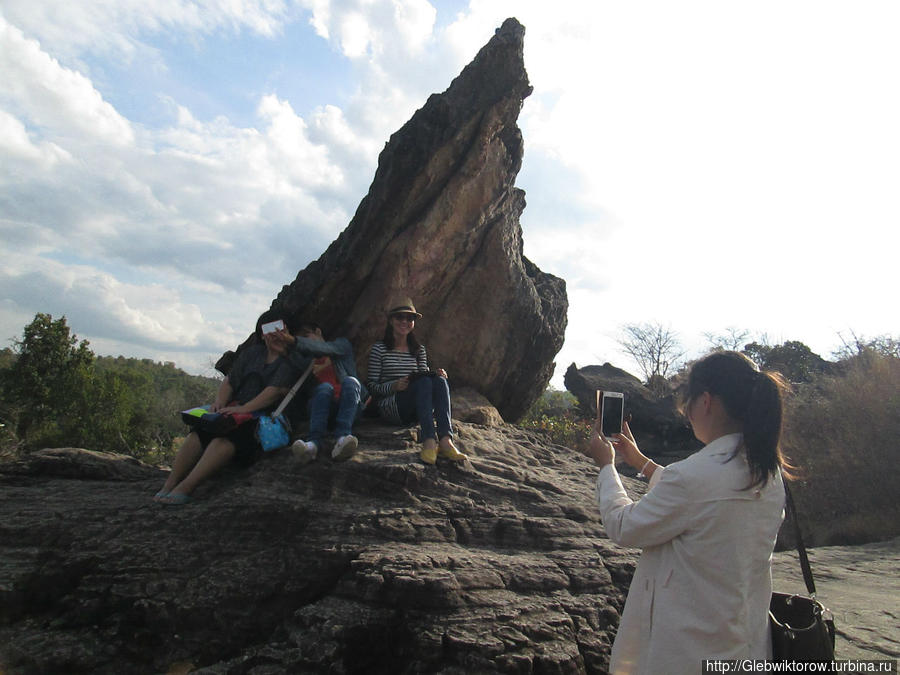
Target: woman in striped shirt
x=405 y=390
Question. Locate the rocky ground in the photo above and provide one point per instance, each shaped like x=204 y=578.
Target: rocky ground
x=376 y=565
x=861 y=586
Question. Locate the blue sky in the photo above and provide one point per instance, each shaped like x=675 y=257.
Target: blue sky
x=227 y=74
x=166 y=167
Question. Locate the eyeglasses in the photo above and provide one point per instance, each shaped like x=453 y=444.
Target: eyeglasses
x=404 y=317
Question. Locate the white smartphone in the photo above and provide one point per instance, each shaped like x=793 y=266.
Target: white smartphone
x=272 y=326
x=611 y=410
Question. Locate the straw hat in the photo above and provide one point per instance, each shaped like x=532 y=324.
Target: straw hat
x=403 y=306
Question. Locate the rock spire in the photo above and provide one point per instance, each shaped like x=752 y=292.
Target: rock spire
x=440 y=224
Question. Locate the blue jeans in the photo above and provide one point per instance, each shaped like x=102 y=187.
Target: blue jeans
x=323 y=409
x=427 y=400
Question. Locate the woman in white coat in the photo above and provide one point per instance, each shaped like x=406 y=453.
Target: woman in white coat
x=707 y=525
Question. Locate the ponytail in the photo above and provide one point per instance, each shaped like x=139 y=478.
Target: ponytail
x=752 y=398
x=762 y=427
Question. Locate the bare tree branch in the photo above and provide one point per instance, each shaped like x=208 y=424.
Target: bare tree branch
x=733 y=339
x=655 y=348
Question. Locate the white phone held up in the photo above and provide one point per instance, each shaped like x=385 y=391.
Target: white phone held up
x=611 y=411
x=272 y=326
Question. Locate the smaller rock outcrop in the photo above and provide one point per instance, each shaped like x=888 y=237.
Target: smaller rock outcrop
x=661 y=431
x=470 y=406
x=81 y=464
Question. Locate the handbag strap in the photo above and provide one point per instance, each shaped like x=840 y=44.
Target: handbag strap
x=801 y=549
x=293 y=391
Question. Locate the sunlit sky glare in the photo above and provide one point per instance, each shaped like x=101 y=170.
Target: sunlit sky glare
x=166 y=167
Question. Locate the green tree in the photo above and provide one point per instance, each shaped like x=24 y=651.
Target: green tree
x=757 y=352
x=793 y=359
x=157 y=392
x=555 y=415
x=110 y=416
x=7 y=358
x=51 y=364
x=55 y=392
x=552 y=403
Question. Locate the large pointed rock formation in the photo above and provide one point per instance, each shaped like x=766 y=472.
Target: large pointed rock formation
x=441 y=224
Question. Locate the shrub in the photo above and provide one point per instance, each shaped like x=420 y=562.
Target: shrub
x=564 y=430
x=553 y=414
x=553 y=402
x=842 y=431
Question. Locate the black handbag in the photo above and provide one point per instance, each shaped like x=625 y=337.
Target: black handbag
x=802 y=627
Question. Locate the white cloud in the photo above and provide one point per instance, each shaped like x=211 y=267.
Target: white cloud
x=356 y=37
x=53 y=97
x=371 y=28
x=700 y=164
x=15 y=144
x=290 y=157
x=158 y=198
x=398 y=59
x=100 y=305
x=205 y=210
x=117 y=28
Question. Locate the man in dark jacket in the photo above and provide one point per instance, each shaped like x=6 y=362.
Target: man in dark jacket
x=336 y=397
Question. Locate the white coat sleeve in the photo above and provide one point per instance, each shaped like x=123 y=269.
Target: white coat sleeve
x=659 y=516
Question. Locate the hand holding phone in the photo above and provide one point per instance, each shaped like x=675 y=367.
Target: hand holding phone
x=272 y=327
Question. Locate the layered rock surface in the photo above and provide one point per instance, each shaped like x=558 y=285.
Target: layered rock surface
x=440 y=224
x=376 y=565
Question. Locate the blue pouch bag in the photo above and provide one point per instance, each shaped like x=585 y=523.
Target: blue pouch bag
x=273 y=432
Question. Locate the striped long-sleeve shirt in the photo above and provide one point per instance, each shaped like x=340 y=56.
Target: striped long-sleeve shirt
x=387 y=366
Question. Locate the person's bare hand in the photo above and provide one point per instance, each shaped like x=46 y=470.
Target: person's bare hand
x=282 y=340
x=599 y=448
x=402 y=384
x=627 y=448
x=442 y=373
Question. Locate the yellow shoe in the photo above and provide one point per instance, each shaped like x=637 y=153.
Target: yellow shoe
x=449 y=451
x=429 y=453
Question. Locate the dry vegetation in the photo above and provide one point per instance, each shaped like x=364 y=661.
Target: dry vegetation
x=842 y=431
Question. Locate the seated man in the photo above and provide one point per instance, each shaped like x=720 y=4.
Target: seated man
x=337 y=395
